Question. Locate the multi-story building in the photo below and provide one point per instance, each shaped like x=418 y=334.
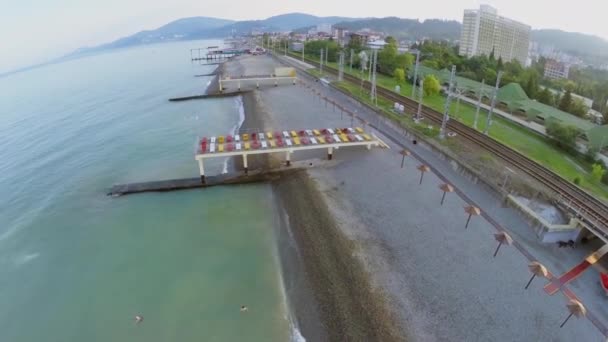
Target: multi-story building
x=556 y=69
x=484 y=31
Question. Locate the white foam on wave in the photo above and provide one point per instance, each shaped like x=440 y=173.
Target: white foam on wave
x=295 y=335
x=24 y=259
x=241 y=108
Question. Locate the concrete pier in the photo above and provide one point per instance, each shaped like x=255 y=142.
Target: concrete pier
x=206 y=96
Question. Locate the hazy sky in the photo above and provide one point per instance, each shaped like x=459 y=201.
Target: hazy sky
x=33 y=31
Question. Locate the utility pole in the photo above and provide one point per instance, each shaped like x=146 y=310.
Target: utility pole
x=419 y=114
x=321 y=62
x=371 y=59
x=483 y=82
x=493 y=105
x=303 y=45
x=374 y=95
x=446 y=111
x=352 y=52
x=341 y=67
x=285 y=47
x=415 y=74
x=458 y=94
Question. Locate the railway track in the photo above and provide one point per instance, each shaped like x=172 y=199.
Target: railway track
x=588 y=208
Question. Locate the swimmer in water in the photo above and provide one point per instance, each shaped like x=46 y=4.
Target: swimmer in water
x=139 y=319
x=244 y=308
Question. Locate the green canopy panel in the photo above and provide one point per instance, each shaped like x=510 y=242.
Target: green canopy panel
x=598 y=137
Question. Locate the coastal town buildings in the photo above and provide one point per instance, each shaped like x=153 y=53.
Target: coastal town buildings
x=556 y=69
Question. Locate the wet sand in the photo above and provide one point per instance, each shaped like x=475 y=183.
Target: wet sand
x=348 y=307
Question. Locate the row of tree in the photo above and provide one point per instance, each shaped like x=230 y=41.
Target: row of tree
x=441 y=55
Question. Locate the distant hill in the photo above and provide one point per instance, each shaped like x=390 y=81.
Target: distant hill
x=408 y=28
x=181 y=29
x=576 y=43
x=205 y=27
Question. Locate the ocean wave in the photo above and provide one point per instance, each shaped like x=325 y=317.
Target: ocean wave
x=241 y=108
x=296 y=335
x=23 y=259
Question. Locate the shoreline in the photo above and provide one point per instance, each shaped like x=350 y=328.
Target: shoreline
x=329 y=291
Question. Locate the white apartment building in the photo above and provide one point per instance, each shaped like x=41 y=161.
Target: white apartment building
x=484 y=31
x=556 y=69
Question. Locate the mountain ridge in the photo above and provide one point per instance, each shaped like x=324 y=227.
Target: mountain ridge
x=208 y=27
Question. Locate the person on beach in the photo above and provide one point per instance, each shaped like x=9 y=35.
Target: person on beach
x=139 y=319
x=244 y=308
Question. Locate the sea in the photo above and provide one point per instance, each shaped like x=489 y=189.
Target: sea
x=77 y=265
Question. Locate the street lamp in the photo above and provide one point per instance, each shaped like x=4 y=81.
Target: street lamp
x=502 y=237
x=423 y=169
x=404 y=153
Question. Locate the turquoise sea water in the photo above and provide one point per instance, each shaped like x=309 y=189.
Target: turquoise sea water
x=76 y=265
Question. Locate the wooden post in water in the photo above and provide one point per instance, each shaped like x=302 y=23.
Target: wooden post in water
x=201 y=168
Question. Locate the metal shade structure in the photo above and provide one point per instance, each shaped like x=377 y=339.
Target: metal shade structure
x=537 y=269
x=445 y=188
x=423 y=169
x=575 y=308
x=472 y=211
x=404 y=153
x=502 y=238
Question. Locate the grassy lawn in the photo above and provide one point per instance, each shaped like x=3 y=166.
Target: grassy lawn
x=521 y=139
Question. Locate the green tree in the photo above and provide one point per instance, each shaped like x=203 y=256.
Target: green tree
x=489 y=75
x=387 y=57
x=597 y=172
x=578 y=108
x=429 y=63
x=499 y=64
x=569 y=86
x=356 y=44
x=557 y=98
x=391 y=40
x=545 y=97
x=564 y=135
x=532 y=85
x=314 y=48
x=404 y=61
x=431 y=85
x=399 y=75
x=566 y=102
